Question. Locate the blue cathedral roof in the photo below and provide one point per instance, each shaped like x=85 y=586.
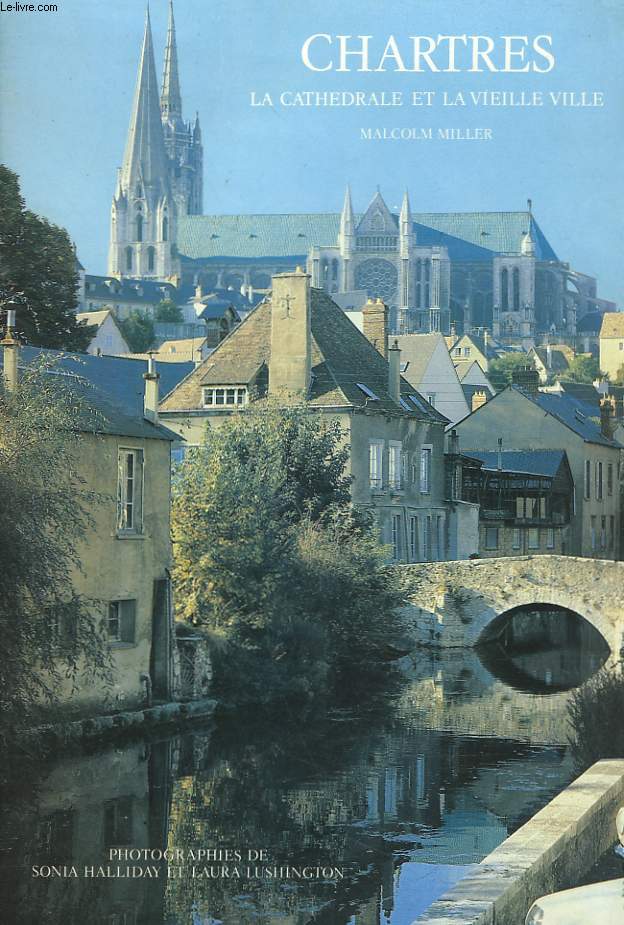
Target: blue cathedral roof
x=467 y=235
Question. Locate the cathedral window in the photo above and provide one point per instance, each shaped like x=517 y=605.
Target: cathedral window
x=505 y=289
x=165 y=228
x=378 y=278
x=139 y=190
x=324 y=272
x=128 y=258
x=516 y=289
x=334 y=269
x=139 y=227
x=151 y=254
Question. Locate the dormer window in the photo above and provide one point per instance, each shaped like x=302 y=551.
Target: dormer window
x=226 y=396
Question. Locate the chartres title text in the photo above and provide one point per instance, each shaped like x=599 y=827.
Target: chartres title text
x=512 y=54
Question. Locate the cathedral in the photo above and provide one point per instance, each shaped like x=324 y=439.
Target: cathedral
x=463 y=271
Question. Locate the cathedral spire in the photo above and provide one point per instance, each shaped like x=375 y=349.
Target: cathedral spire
x=171 y=99
x=406 y=212
x=145 y=160
x=347 y=219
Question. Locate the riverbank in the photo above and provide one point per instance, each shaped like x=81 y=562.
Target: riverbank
x=551 y=852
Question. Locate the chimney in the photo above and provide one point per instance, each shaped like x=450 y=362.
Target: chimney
x=526 y=378
x=198 y=292
x=150 y=397
x=291 y=334
x=394 y=371
x=606 y=420
x=375 y=325
x=11 y=353
x=478 y=400
x=453 y=443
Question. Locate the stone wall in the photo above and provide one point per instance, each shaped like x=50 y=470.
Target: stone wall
x=456 y=603
x=556 y=847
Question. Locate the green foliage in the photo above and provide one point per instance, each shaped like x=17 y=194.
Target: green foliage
x=138 y=331
x=270 y=555
x=619 y=376
x=583 y=368
x=49 y=632
x=595 y=712
x=502 y=369
x=167 y=312
x=38 y=273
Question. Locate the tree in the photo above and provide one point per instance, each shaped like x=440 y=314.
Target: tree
x=138 y=331
x=583 y=368
x=502 y=369
x=167 y=312
x=49 y=632
x=270 y=556
x=38 y=273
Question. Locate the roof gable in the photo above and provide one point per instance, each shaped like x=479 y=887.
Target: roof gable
x=612 y=324
x=342 y=357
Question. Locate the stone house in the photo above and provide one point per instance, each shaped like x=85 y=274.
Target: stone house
x=107 y=338
x=611 y=342
x=551 y=361
x=525 y=418
x=298 y=344
x=125 y=457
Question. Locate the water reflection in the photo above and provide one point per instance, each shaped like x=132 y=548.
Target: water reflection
x=403 y=799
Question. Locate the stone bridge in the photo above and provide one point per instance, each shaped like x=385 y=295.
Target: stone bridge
x=460 y=603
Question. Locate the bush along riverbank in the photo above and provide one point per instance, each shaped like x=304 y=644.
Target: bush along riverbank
x=272 y=561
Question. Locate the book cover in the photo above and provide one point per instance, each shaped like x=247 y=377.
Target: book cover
x=311 y=423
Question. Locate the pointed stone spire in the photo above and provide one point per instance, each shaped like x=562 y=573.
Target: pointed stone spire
x=406 y=227
x=406 y=215
x=145 y=159
x=171 y=98
x=347 y=219
x=196 y=129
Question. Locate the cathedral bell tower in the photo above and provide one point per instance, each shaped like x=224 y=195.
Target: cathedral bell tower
x=144 y=212
x=183 y=140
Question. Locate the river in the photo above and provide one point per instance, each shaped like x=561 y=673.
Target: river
x=354 y=816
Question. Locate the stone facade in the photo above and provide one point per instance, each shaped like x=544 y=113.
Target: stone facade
x=299 y=345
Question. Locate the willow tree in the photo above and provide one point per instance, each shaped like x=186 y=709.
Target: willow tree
x=50 y=633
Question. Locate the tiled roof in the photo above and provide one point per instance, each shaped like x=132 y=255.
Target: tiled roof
x=612 y=324
x=417 y=350
x=560 y=357
x=113 y=386
x=571 y=412
x=341 y=358
x=141 y=291
x=468 y=235
x=94 y=318
x=533 y=462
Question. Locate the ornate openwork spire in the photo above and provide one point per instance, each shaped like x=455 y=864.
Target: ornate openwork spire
x=171 y=99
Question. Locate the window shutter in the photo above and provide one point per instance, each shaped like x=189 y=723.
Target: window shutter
x=127 y=630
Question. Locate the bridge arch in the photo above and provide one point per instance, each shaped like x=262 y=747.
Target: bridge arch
x=464 y=598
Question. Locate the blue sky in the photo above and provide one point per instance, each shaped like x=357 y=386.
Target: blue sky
x=67 y=81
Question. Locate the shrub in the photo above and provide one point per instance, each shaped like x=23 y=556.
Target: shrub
x=595 y=713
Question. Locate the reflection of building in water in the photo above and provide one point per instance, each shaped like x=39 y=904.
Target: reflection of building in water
x=84 y=807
